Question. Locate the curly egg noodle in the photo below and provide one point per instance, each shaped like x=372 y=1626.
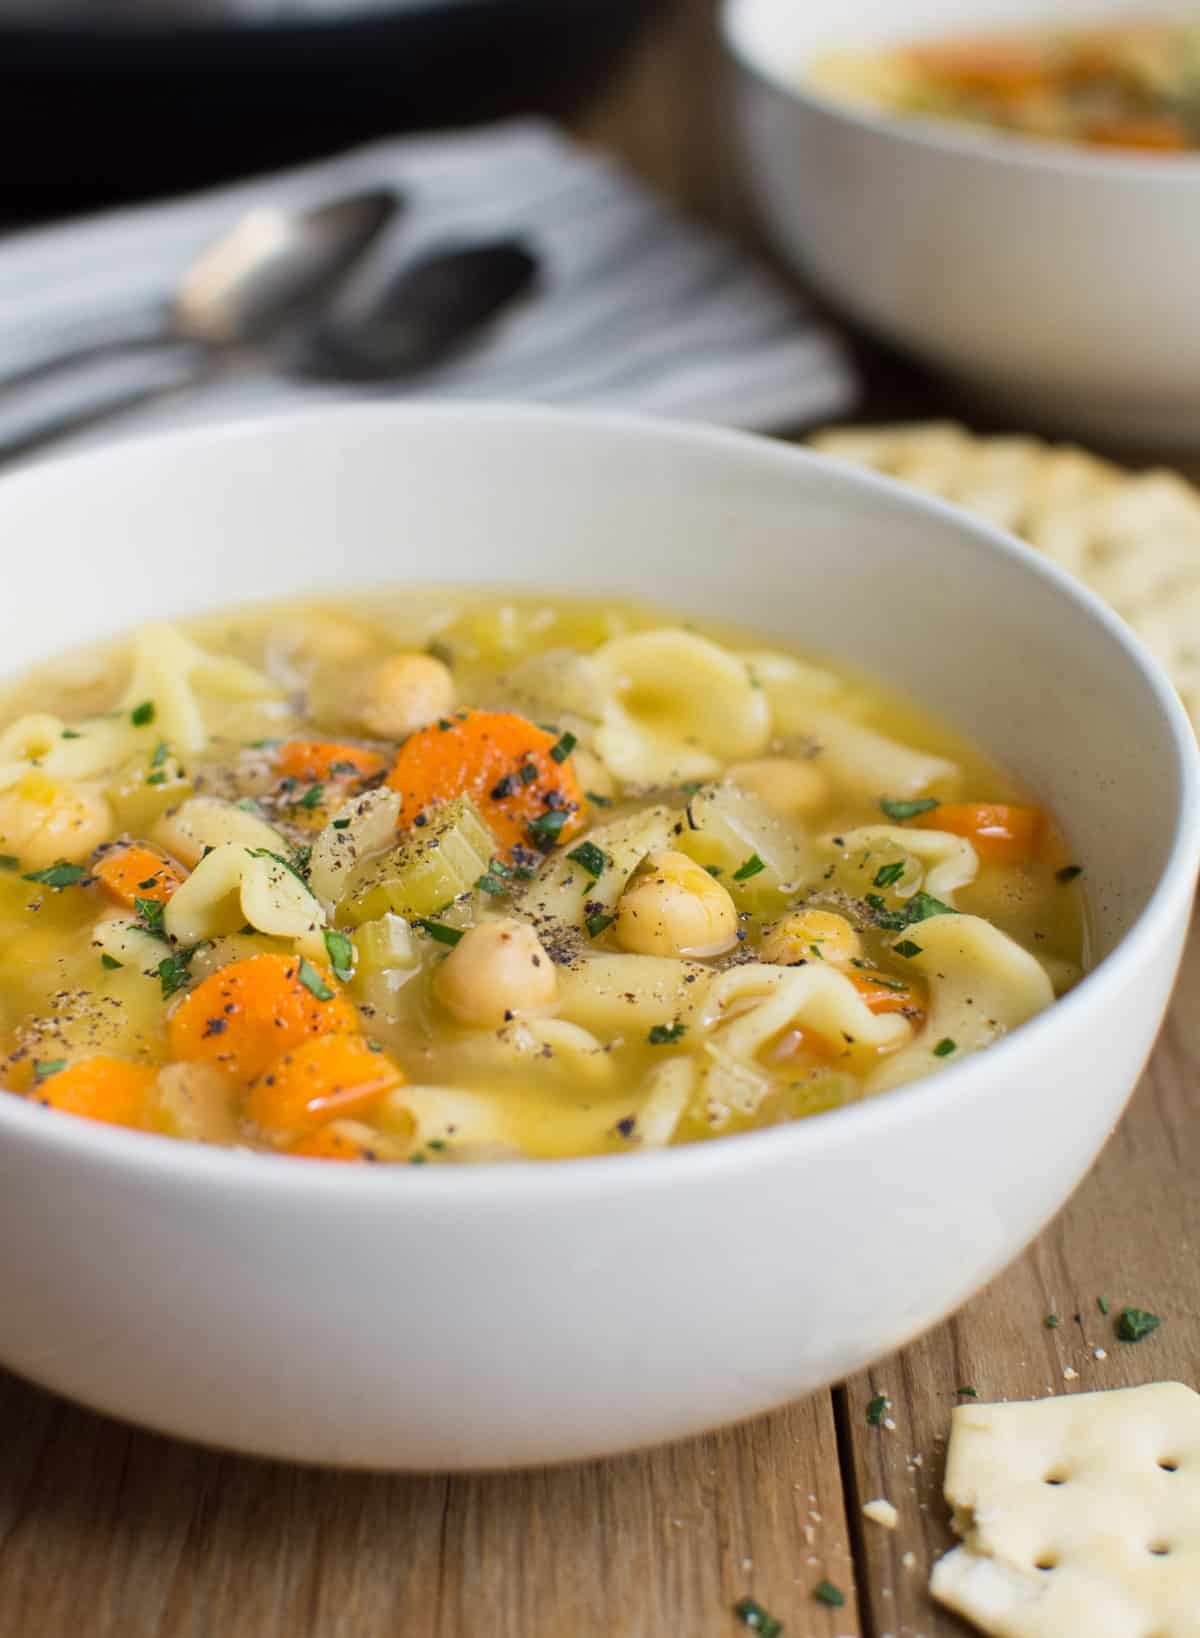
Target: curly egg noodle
x=439 y=877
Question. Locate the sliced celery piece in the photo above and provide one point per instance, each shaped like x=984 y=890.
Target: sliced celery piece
x=761 y=858
x=424 y=872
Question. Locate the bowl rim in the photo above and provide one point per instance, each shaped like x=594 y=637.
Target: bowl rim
x=1011 y=150
x=499 y=1185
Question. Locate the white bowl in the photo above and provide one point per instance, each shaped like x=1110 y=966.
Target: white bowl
x=470 y=1318
x=1057 y=279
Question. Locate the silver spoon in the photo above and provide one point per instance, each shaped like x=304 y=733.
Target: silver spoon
x=428 y=312
x=272 y=267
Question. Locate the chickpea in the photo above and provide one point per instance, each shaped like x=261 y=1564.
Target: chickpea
x=401 y=694
x=784 y=784
x=673 y=907
x=497 y=971
x=803 y=931
x=42 y=821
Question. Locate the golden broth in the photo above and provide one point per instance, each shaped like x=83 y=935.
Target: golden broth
x=631 y=1041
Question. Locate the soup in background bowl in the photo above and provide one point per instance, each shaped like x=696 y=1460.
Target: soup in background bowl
x=438 y=1316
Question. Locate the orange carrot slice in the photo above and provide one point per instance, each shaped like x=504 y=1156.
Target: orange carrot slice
x=99 y=1088
x=316 y=759
x=519 y=776
x=318 y=1081
x=244 y=1016
x=131 y=871
x=332 y=1143
x=997 y=67
x=999 y=831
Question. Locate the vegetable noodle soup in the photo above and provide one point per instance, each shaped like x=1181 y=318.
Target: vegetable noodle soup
x=1122 y=85
x=436 y=877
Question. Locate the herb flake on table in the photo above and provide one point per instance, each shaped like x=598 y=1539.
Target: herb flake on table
x=900 y=809
x=875 y=1410
x=751 y=1614
x=1051 y=1322
x=1135 y=1324
x=967 y=1393
x=1102 y=1304
x=826 y=1593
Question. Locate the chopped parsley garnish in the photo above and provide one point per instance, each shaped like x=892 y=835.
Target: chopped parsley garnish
x=108 y=961
x=826 y=1593
x=70 y=733
x=901 y=809
x=590 y=858
x=444 y=724
x=1102 y=1304
x=751 y=1614
x=906 y=947
x=311 y=798
x=752 y=867
x=662 y=1034
x=173 y=971
x=596 y=924
x=713 y=870
x=438 y=650
x=1133 y=1324
x=341 y=824
x=158 y=778
x=159 y=755
x=545 y=829
x=1068 y=873
x=967 y=1393
x=58 y=875
x=566 y=744
x=142 y=714
x=48 y=1067
x=493 y=885
x=9 y=861
x=889 y=873
x=691 y=786
x=876 y=1409
x=922 y=905
x=313 y=982
x=438 y=930
x=527 y=773
x=886 y=983
x=341 y=954
x=151 y=912
x=1051 y=1322
x=151 y=881
x=945 y=1047
x=597 y=800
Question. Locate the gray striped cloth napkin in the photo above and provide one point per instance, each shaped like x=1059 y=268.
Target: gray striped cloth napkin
x=637 y=309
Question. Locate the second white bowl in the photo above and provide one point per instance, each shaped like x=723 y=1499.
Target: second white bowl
x=1059 y=280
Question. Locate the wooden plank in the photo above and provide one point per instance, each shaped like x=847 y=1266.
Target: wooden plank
x=1131 y=1235
x=111 y=1533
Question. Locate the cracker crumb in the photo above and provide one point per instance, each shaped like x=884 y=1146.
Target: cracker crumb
x=1100 y=1353
x=909 y=1561
x=814 y=1516
x=889 y=1424
x=1070 y=1374
x=881 y=1511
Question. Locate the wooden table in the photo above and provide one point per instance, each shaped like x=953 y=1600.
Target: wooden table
x=110 y=1533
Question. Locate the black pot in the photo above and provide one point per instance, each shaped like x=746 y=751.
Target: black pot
x=134 y=104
